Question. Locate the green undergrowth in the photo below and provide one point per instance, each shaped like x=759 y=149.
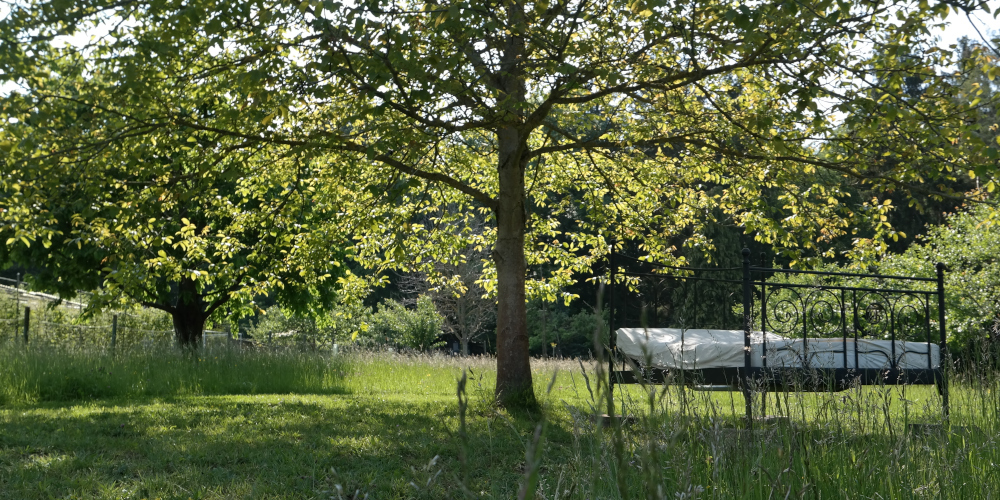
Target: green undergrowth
x=391 y=426
x=41 y=373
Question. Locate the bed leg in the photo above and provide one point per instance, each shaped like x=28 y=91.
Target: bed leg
x=747 y=327
x=944 y=358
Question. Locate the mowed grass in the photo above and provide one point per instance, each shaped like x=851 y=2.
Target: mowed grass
x=231 y=424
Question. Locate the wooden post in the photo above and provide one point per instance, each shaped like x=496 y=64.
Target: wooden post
x=114 y=331
x=27 y=323
x=17 y=304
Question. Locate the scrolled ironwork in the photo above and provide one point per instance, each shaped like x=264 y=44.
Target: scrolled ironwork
x=824 y=313
x=909 y=318
x=873 y=315
x=785 y=311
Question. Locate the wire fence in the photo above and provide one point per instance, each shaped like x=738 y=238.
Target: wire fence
x=43 y=319
x=117 y=330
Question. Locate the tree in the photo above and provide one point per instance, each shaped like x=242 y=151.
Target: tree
x=506 y=106
x=456 y=288
x=458 y=295
x=187 y=227
x=969 y=84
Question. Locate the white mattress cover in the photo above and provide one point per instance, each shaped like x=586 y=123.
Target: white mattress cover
x=674 y=348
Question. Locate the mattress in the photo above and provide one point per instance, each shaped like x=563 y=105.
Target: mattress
x=674 y=348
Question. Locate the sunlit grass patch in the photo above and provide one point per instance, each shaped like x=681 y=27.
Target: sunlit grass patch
x=389 y=425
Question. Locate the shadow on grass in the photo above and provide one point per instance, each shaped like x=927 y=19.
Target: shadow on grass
x=255 y=446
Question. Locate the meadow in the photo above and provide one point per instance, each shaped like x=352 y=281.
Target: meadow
x=229 y=423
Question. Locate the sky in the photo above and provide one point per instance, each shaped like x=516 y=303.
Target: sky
x=959 y=25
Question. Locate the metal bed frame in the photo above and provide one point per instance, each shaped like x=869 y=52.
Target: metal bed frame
x=788 y=308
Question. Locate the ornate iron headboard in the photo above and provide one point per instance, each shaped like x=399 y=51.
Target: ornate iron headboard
x=801 y=305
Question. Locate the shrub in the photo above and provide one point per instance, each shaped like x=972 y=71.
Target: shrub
x=416 y=328
x=562 y=332
x=345 y=323
x=967 y=244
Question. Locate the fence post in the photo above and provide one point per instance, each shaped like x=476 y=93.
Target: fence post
x=27 y=323
x=114 y=331
x=944 y=339
x=747 y=326
x=17 y=304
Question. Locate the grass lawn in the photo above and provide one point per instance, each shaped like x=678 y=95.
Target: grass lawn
x=385 y=426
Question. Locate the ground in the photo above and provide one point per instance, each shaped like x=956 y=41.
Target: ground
x=389 y=426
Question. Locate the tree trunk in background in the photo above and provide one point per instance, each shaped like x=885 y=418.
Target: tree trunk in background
x=189 y=325
x=188 y=315
x=514 y=388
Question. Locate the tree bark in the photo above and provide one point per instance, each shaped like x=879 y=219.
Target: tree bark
x=514 y=387
x=188 y=315
x=189 y=325
x=463 y=324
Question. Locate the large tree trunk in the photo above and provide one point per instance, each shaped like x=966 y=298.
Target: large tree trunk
x=189 y=325
x=188 y=315
x=514 y=387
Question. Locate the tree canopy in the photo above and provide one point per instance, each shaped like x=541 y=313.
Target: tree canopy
x=172 y=221
x=636 y=120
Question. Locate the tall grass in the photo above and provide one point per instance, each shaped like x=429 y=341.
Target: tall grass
x=866 y=442
x=50 y=373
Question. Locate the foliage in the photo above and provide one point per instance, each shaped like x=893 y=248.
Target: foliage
x=275 y=326
x=187 y=229
x=972 y=84
x=559 y=332
x=342 y=323
x=437 y=111
x=417 y=328
x=967 y=244
x=350 y=322
x=186 y=225
x=457 y=289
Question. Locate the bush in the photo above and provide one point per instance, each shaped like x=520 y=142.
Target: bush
x=277 y=326
x=417 y=328
x=967 y=243
x=563 y=332
x=345 y=323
